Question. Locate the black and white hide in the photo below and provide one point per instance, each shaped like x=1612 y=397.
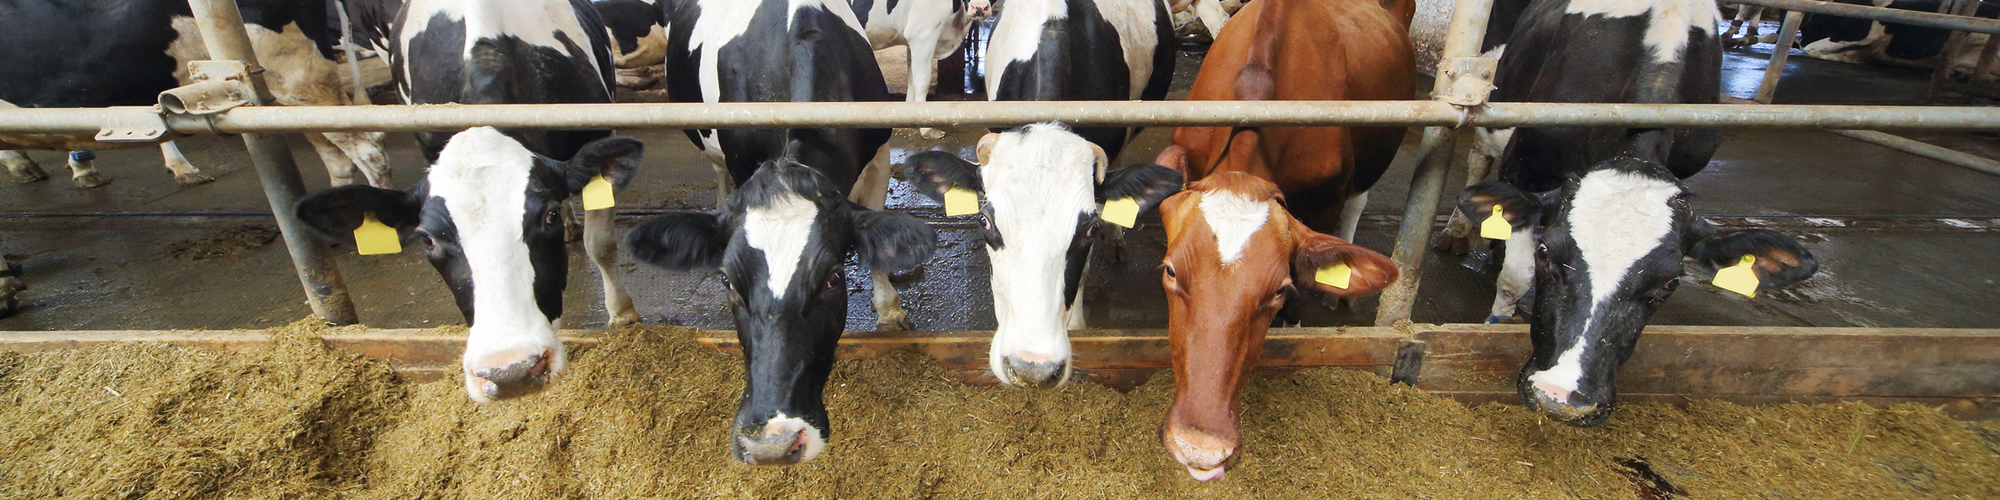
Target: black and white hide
x=97 y=53
x=488 y=216
x=1040 y=190
x=785 y=51
x=781 y=242
x=1082 y=50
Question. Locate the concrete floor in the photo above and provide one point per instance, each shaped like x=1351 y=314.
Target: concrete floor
x=1901 y=238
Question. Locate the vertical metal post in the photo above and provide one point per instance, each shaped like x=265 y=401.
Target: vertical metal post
x=1786 y=35
x=1467 y=31
x=222 y=32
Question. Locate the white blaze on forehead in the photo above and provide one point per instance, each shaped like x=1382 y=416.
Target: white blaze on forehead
x=1667 y=29
x=780 y=229
x=483 y=176
x=1615 y=218
x=1039 y=181
x=1233 y=218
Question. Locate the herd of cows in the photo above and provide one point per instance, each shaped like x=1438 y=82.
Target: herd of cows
x=1596 y=222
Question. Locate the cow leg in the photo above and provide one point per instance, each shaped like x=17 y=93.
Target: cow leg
x=1487 y=146
x=601 y=242
x=22 y=167
x=724 y=183
x=10 y=285
x=361 y=152
x=1212 y=16
x=872 y=190
x=339 y=170
x=1350 y=215
x=1517 y=274
x=573 y=231
x=83 y=170
x=184 y=172
x=923 y=55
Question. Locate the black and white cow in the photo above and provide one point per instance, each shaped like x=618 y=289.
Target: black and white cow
x=95 y=53
x=638 y=32
x=1603 y=241
x=932 y=29
x=1082 y=50
x=489 y=215
x=1856 y=40
x=785 y=51
x=782 y=242
x=1041 y=188
x=505 y=52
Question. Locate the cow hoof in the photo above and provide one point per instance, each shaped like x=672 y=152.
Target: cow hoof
x=894 y=321
x=31 y=174
x=192 y=179
x=622 y=320
x=930 y=133
x=1455 y=245
x=509 y=374
x=90 y=180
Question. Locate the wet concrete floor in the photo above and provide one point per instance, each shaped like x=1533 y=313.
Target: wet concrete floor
x=1904 y=241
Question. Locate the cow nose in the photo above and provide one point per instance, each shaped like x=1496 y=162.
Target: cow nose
x=509 y=374
x=1037 y=374
x=1564 y=405
x=777 y=443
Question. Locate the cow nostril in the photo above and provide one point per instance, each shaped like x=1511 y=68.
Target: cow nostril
x=1038 y=374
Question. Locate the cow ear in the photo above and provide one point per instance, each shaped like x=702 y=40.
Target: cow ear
x=1173 y=157
x=1147 y=183
x=680 y=241
x=1369 y=271
x=335 y=213
x=891 y=241
x=1781 y=261
x=1519 y=208
x=616 y=158
x=935 y=172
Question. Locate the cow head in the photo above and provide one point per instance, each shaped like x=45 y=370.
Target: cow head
x=489 y=214
x=1234 y=257
x=1609 y=251
x=979 y=9
x=782 y=242
x=1039 y=195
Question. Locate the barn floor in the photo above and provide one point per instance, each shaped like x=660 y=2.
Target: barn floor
x=1899 y=236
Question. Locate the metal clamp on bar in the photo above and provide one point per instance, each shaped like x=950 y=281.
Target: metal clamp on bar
x=1471 y=80
x=133 y=127
x=218 y=86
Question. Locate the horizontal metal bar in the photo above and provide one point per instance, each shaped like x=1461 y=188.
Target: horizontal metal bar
x=1924 y=149
x=1898 y=16
x=444 y=118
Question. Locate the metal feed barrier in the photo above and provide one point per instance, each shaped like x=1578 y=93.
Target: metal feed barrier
x=233 y=103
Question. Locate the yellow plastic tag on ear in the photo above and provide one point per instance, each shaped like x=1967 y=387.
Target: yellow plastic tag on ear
x=1337 y=275
x=1122 y=211
x=376 y=238
x=1740 y=278
x=1496 y=226
x=960 y=201
x=597 y=194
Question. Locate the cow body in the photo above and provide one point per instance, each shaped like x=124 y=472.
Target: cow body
x=1855 y=40
x=932 y=29
x=1599 y=219
x=785 y=51
x=130 y=51
x=1082 y=50
x=1042 y=188
x=1244 y=239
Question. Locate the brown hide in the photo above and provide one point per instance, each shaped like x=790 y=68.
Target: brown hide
x=1218 y=312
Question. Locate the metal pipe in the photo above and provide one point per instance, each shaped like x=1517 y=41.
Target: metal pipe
x=1768 y=90
x=1898 y=16
x=222 y=31
x=1983 y=72
x=446 y=118
x=1941 y=72
x=1924 y=149
x=1462 y=39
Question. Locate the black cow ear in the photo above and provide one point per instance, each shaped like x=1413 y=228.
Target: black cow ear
x=335 y=213
x=1517 y=207
x=935 y=172
x=1148 y=183
x=616 y=158
x=1781 y=261
x=680 y=241
x=891 y=241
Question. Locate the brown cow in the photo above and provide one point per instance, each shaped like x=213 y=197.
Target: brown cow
x=1235 y=254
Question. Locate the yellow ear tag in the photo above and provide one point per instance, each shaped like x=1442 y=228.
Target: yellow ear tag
x=376 y=238
x=597 y=194
x=1122 y=211
x=1337 y=275
x=1496 y=226
x=960 y=201
x=1740 y=278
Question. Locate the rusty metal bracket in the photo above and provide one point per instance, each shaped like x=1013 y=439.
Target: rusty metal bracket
x=1471 y=80
x=132 y=127
x=218 y=86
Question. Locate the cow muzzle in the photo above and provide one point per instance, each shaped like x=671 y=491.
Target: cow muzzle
x=510 y=373
x=1027 y=371
x=1206 y=455
x=780 y=441
x=979 y=9
x=1564 y=405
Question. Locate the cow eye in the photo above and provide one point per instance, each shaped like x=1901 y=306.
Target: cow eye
x=1169 y=270
x=552 y=214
